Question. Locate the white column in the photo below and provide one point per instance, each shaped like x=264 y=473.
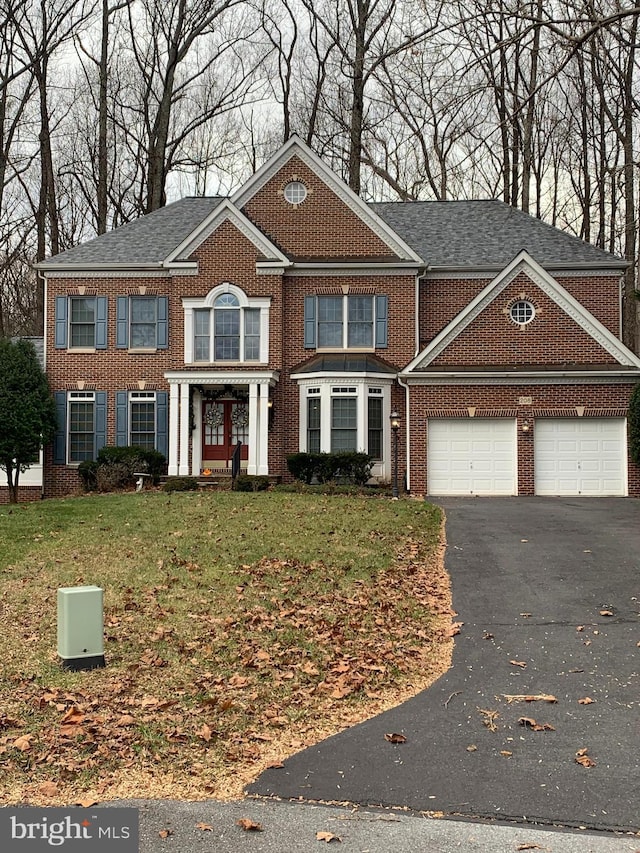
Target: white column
x=185 y=428
x=252 y=467
x=196 y=436
x=263 y=421
x=362 y=415
x=173 y=429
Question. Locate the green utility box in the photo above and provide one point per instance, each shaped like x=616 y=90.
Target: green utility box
x=80 y=627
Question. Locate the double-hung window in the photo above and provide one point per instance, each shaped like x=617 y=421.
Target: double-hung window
x=142 y=419
x=81 y=322
x=338 y=322
x=344 y=419
x=82 y=426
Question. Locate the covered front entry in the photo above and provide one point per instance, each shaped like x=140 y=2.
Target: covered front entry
x=225 y=423
x=210 y=412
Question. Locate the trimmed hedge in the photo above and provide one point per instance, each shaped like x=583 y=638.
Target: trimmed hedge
x=181 y=484
x=347 y=467
x=115 y=467
x=250 y=483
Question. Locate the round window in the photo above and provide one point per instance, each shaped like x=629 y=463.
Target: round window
x=295 y=192
x=522 y=312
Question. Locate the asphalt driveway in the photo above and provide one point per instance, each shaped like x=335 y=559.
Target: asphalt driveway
x=549 y=594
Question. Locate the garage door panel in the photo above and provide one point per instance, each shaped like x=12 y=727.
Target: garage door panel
x=580 y=456
x=471 y=457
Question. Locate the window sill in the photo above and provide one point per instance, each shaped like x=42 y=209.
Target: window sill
x=142 y=350
x=82 y=350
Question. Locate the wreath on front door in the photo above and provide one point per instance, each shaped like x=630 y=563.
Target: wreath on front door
x=240 y=416
x=214 y=417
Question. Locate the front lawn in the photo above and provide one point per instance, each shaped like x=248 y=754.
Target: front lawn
x=239 y=628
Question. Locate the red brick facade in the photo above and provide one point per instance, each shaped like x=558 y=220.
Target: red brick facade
x=333 y=249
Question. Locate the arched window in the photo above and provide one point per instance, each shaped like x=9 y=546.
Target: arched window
x=227 y=327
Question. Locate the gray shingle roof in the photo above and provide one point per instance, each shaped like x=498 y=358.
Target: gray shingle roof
x=490 y=233
x=148 y=240
x=453 y=234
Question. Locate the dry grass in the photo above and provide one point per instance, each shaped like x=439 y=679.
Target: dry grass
x=239 y=629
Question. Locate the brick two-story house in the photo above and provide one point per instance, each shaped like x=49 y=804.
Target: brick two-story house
x=293 y=316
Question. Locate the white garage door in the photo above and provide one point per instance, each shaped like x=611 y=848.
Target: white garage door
x=580 y=456
x=471 y=456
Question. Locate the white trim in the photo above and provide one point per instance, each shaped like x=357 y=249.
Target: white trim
x=342 y=268
x=382 y=469
x=174 y=406
x=226 y=211
x=263 y=430
x=192 y=303
x=252 y=466
x=442 y=273
x=295 y=147
x=121 y=271
x=185 y=430
x=221 y=377
x=542 y=378
x=524 y=263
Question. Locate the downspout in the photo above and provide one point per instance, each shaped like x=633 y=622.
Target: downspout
x=43 y=279
x=402 y=384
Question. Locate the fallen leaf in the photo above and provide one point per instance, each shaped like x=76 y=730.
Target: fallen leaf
x=165 y=833
x=521 y=663
x=487 y=636
x=585 y=701
x=455 y=628
x=87 y=802
x=526 y=615
x=530 y=847
x=205 y=733
x=606 y=613
x=580 y=628
x=275 y=765
x=394 y=737
x=507 y=753
x=48 y=789
x=583 y=759
x=23 y=743
x=205 y=827
x=530 y=723
x=249 y=825
x=472 y=747
x=327 y=836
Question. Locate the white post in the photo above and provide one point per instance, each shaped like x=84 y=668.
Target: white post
x=252 y=467
x=263 y=456
x=185 y=428
x=173 y=429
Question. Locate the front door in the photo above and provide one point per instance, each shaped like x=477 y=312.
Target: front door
x=224 y=424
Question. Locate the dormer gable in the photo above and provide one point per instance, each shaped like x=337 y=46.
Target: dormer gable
x=522 y=319
x=313 y=216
